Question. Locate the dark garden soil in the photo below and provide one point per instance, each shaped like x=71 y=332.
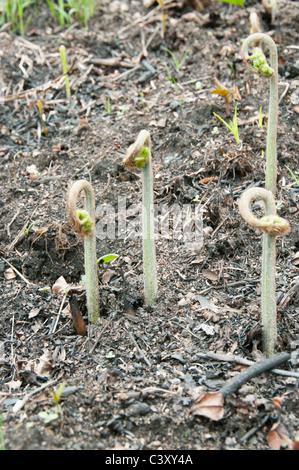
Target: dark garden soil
x=134 y=381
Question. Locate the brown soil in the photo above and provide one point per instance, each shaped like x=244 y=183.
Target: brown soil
x=131 y=383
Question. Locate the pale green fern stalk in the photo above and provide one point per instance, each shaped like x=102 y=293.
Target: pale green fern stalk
x=83 y=222
x=139 y=155
x=258 y=64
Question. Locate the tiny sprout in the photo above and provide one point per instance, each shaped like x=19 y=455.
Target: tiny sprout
x=139 y=155
x=83 y=222
x=232 y=126
x=260 y=121
x=62 y=52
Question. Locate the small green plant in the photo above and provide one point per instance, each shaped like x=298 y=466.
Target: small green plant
x=108 y=106
x=59 y=12
x=172 y=80
x=275 y=226
x=83 y=222
x=13 y=12
x=46 y=416
x=232 y=126
x=63 y=11
x=293 y=174
x=139 y=155
x=260 y=121
x=62 y=52
x=177 y=63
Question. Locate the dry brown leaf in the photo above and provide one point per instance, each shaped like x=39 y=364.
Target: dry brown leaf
x=211 y=275
x=295 y=259
x=9 y=274
x=210 y=405
x=45 y=364
x=34 y=312
x=276 y=438
x=277 y=402
x=60 y=286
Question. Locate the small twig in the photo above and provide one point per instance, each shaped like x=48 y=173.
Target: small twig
x=242 y=360
x=20 y=403
x=288 y=295
x=58 y=316
x=17 y=272
x=97 y=340
x=258 y=368
x=136 y=344
x=42 y=88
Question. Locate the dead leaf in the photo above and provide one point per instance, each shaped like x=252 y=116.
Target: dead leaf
x=9 y=274
x=32 y=170
x=60 y=286
x=108 y=274
x=160 y=123
x=211 y=275
x=295 y=259
x=210 y=405
x=295 y=444
x=44 y=367
x=277 y=402
x=210 y=316
x=277 y=439
x=34 y=312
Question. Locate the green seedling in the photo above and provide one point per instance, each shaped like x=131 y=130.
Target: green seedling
x=63 y=11
x=293 y=174
x=59 y=12
x=82 y=9
x=260 y=121
x=48 y=417
x=83 y=222
x=232 y=126
x=171 y=79
x=108 y=106
x=139 y=155
x=13 y=12
x=177 y=63
x=274 y=226
x=62 y=52
x=107 y=258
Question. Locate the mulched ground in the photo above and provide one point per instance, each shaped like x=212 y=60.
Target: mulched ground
x=133 y=383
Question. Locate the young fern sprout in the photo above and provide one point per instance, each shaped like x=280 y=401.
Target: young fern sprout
x=258 y=64
x=139 y=155
x=83 y=221
x=272 y=226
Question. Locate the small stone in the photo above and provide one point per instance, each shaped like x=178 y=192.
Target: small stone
x=174 y=104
